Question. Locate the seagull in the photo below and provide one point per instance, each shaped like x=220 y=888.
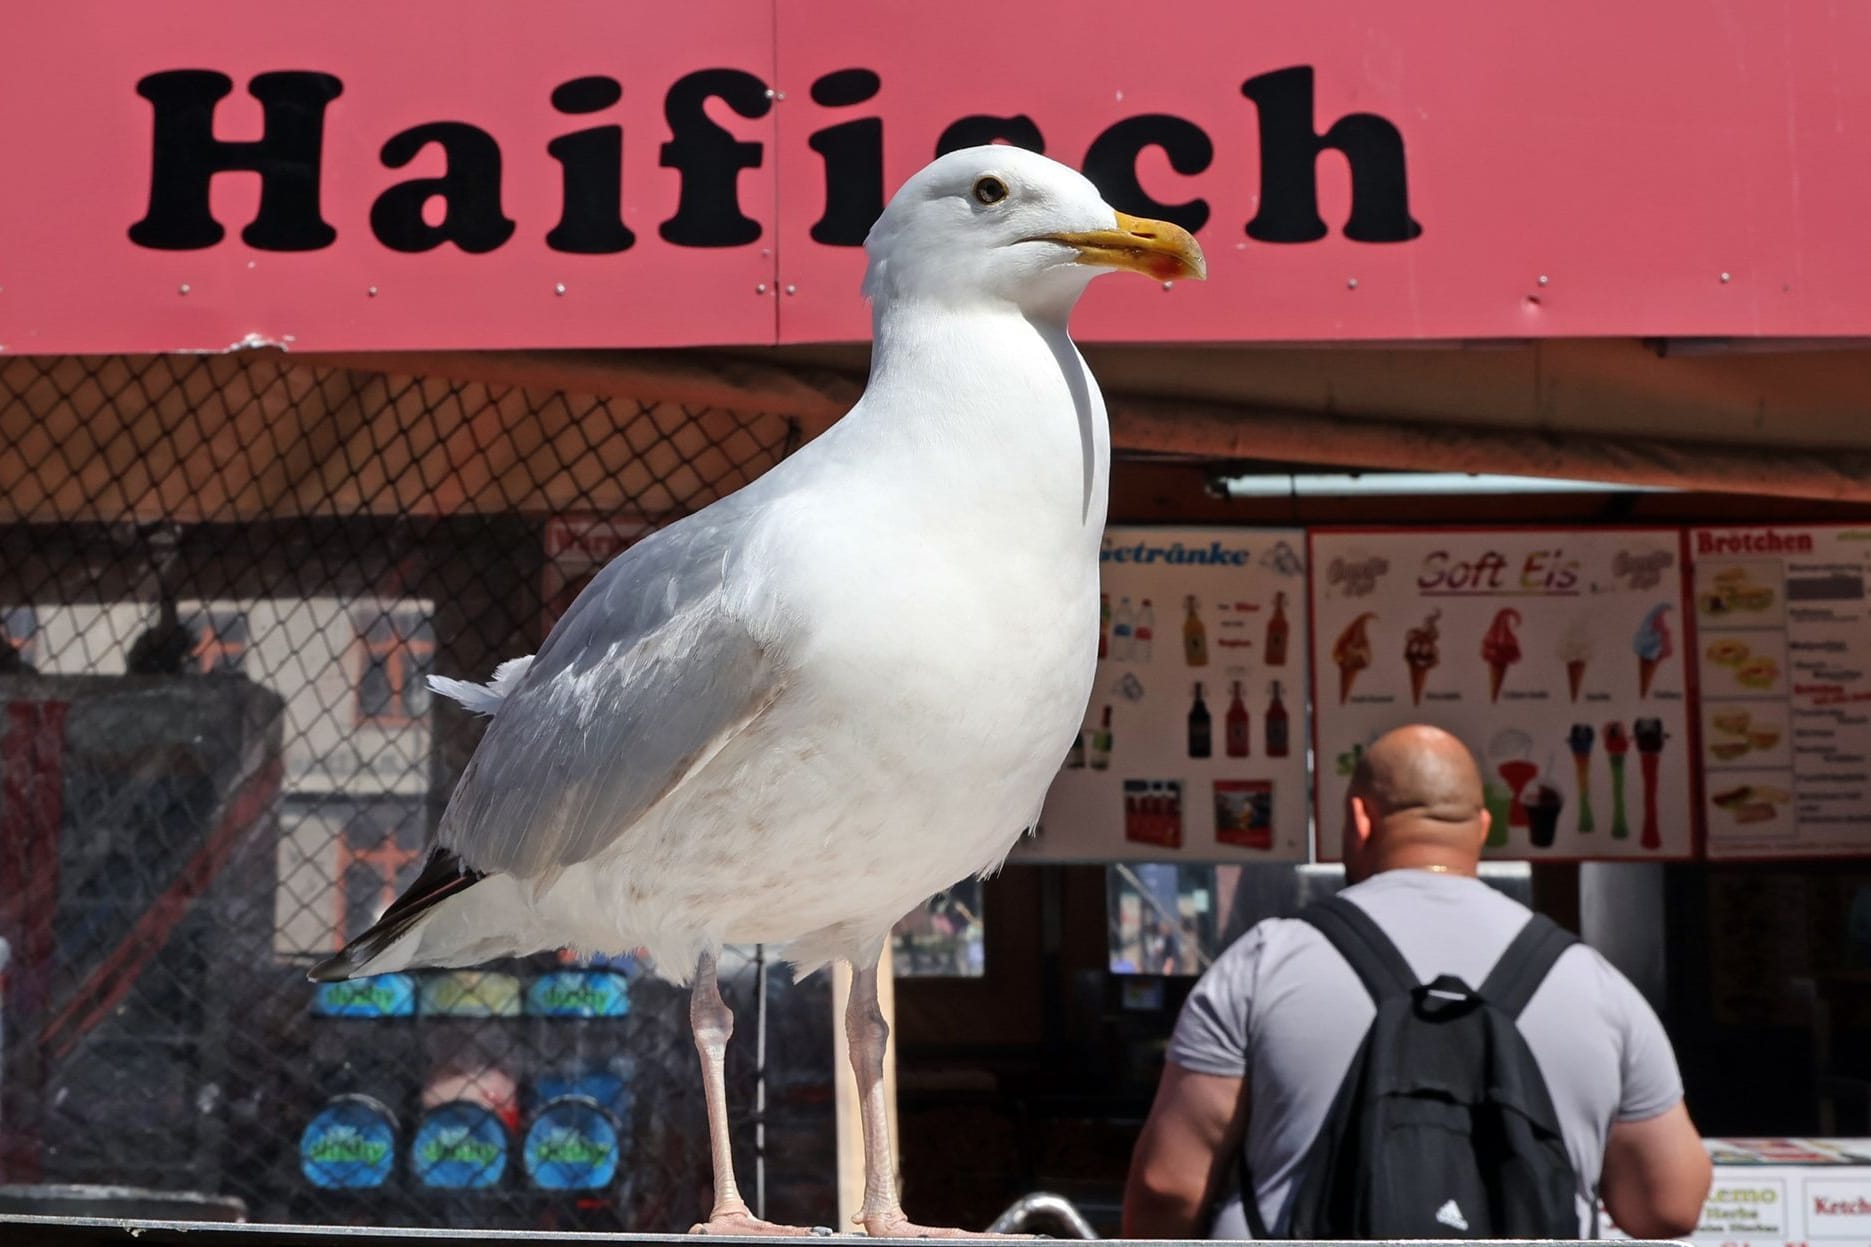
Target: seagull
x=793 y=716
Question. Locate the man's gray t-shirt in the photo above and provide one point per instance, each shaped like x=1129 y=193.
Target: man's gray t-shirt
x=1282 y=1004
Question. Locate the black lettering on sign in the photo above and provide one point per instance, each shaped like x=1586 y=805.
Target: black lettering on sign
x=185 y=157
x=591 y=216
x=1111 y=164
x=1289 y=154
x=469 y=190
x=980 y=129
x=710 y=159
x=854 y=160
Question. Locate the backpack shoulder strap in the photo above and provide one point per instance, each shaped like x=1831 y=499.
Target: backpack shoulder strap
x=1525 y=964
x=1362 y=943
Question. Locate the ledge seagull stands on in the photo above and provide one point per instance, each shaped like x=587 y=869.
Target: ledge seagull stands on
x=792 y=717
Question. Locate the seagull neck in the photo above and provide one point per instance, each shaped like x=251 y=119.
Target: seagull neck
x=923 y=349
x=992 y=403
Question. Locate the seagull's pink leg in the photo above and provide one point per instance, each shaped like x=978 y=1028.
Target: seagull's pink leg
x=713 y=1025
x=867 y=1034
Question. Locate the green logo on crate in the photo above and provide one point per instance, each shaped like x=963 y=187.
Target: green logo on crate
x=380 y=996
x=582 y=996
x=579 y=994
x=344 y=1146
x=459 y=1147
x=571 y=1148
x=363 y=993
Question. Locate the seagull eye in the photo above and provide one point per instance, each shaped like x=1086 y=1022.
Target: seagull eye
x=990 y=190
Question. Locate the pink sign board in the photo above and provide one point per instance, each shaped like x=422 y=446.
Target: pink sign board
x=592 y=173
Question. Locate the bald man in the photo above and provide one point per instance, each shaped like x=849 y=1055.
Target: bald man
x=1268 y=1034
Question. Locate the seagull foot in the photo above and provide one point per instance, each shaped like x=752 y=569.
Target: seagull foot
x=899 y=1226
x=743 y=1222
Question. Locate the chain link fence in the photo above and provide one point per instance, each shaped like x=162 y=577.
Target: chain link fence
x=223 y=580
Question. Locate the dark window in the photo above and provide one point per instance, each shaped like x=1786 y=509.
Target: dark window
x=21 y=625
x=220 y=641
x=396 y=650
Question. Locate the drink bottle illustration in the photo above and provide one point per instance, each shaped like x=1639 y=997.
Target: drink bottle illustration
x=1650 y=737
x=1277 y=627
x=1236 y=725
x=1143 y=633
x=1617 y=744
x=1579 y=741
x=1101 y=742
x=1121 y=625
x=1278 y=730
x=1200 y=727
x=1104 y=626
x=1194 y=635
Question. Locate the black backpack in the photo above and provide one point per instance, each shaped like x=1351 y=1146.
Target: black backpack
x=1443 y=1127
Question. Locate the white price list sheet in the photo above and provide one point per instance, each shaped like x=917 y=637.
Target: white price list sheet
x=1193 y=748
x=1783 y=653
x=1554 y=654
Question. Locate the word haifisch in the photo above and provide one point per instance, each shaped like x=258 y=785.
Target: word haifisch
x=708 y=160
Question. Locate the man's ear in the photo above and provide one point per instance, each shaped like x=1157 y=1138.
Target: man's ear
x=1361 y=821
x=1487 y=821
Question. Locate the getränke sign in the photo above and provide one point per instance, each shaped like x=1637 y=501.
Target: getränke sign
x=599 y=173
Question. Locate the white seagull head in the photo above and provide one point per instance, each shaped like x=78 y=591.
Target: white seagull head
x=1001 y=224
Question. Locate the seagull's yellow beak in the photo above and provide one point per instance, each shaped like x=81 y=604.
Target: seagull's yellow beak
x=1155 y=248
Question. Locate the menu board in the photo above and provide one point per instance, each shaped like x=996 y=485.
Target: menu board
x=1783 y=649
x=1194 y=744
x=1551 y=653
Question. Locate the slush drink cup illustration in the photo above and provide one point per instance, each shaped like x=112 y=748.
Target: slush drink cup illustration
x=1517 y=773
x=1575 y=650
x=1352 y=652
x=1500 y=802
x=1500 y=649
x=1543 y=804
x=1508 y=750
x=1652 y=643
x=1650 y=737
x=1617 y=744
x=1579 y=741
x=1421 y=653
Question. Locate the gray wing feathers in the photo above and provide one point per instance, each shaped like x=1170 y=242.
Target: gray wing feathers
x=645 y=676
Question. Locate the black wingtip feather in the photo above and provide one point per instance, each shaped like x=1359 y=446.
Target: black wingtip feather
x=443 y=875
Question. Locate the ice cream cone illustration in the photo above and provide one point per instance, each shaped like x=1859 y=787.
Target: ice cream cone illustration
x=1352 y=652
x=1617 y=744
x=1420 y=652
x=1500 y=649
x=1650 y=737
x=1575 y=650
x=1652 y=643
x=1579 y=741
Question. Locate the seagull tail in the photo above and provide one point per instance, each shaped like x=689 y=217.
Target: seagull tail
x=484 y=698
x=394 y=941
